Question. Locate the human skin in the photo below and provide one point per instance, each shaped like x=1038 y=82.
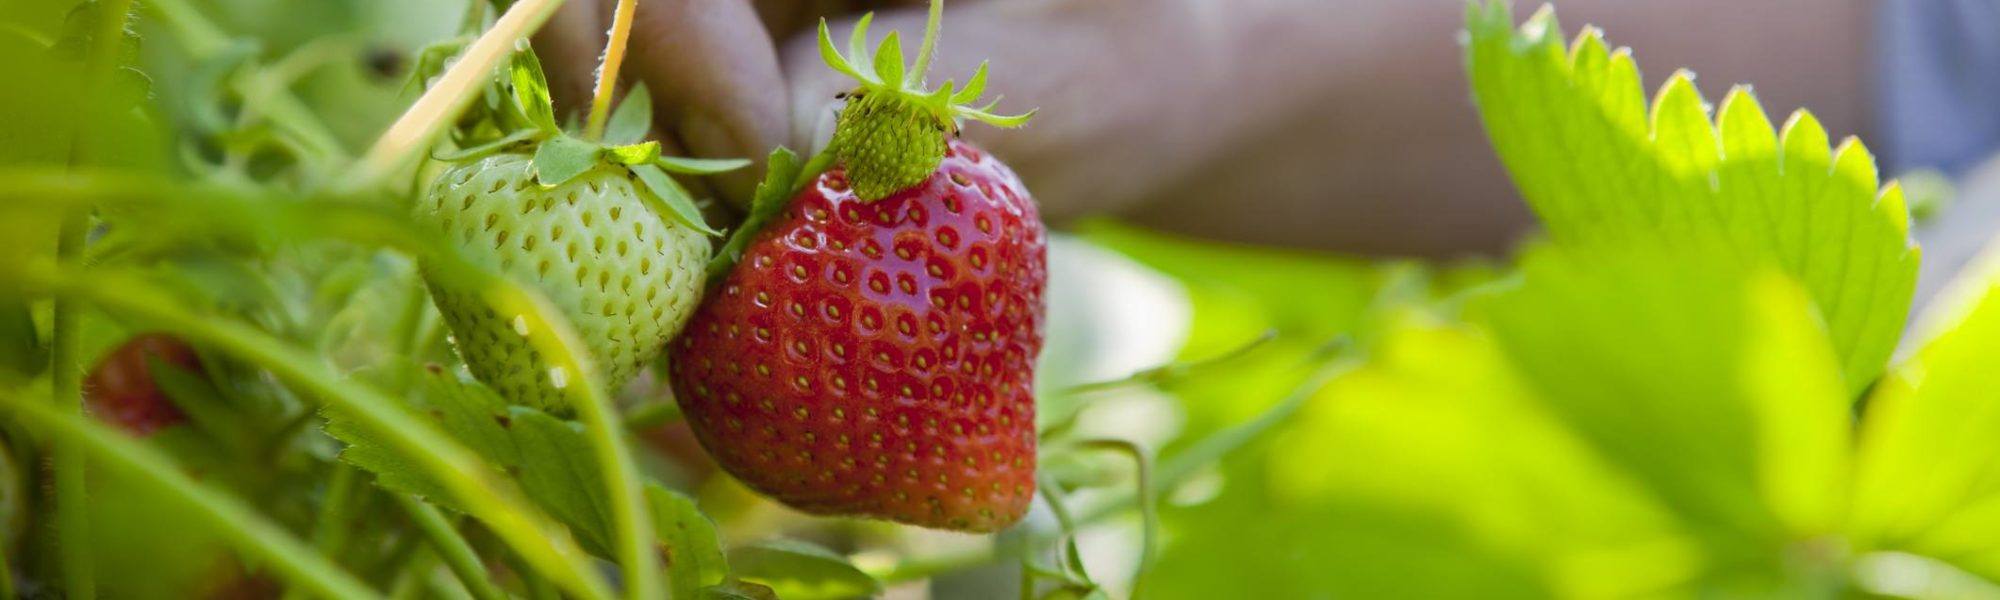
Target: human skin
x=1334 y=124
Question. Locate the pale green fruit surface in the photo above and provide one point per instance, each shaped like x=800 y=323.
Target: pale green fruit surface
x=624 y=277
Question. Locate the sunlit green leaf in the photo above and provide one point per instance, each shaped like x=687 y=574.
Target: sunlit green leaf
x=1434 y=448
x=1596 y=162
x=531 y=90
x=1710 y=383
x=1927 y=478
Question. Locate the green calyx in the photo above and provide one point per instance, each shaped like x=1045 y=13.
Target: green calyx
x=892 y=133
x=528 y=125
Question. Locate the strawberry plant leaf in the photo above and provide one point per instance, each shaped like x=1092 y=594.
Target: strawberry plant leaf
x=633 y=118
x=1925 y=479
x=1731 y=412
x=694 y=552
x=531 y=90
x=670 y=199
x=797 y=570
x=634 y=154
x=548 y=456
x=562 y=158
x=700 y=166
x=1597 y=162
x=781 y=173
x=1462 y=462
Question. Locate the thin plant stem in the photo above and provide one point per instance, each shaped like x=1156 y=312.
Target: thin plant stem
x=409 y=581
x=432 y=113
x=330 y=531
x=330 y=535
x=607 y=72
x=446 y=542
x=240 y=525
x=928 y=48
x=1072 y=555
x=1148 y=510
x=633 y=529
x=538 y=587
x=66 y=360
x=66 y=375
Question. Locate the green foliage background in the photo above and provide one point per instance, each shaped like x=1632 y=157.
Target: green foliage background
x=1695 y=383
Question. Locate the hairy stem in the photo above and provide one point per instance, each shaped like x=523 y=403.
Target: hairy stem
x=66 y=362
x=929 y=46
x=607 y=72
x=434 y=111
x=66 y=374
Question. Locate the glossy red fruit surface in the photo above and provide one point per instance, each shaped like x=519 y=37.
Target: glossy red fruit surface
x=877 y=359
x=121 y=390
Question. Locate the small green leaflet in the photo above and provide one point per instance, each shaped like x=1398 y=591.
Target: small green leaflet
x=1596 y=161
x=694 y=552
x=801 y=571
x=781 y=174
x=633 y=118
x=562 y=158
x=670 y=199
x=633 y=154
x=889 y=59
x=700 y=166
x=531 y=89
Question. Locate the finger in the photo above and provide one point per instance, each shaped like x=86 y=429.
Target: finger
x=714 y=75
x=568 y=46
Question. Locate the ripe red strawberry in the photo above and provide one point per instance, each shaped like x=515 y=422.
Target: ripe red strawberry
x=877 y=358
x=121 y=390
x=873 y=351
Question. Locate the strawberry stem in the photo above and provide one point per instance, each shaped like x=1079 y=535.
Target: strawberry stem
x=929 y=46
x=65 y=357
x=436 y=109
x=607 y=71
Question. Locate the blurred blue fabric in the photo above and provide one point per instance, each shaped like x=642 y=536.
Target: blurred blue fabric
x=1939 y=83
